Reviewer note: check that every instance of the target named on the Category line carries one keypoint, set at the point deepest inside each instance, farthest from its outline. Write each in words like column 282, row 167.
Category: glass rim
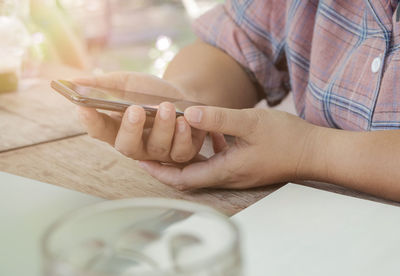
column 178, row 204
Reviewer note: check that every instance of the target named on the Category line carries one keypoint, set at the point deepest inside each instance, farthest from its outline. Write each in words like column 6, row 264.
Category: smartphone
column 115, row 100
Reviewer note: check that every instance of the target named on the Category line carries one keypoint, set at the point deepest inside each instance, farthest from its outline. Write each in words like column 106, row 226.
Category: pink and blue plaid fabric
column 340, row 59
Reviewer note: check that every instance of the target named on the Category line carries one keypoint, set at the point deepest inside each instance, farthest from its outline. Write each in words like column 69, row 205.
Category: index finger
column 235, row 122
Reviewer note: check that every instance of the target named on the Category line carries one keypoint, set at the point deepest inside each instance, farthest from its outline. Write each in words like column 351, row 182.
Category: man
column 339, row 58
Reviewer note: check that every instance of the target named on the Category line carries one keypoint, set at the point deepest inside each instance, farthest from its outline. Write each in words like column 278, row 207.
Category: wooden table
column 41, row 138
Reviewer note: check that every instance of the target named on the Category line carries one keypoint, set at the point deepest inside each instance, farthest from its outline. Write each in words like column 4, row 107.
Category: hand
column 168, row 140
column 270, row 147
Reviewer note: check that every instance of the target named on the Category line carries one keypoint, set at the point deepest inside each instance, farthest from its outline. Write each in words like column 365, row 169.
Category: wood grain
column 41, row 138
column 36, row 114
column 92, row 167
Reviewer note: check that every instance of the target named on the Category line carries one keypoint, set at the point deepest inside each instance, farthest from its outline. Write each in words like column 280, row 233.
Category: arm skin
column 208, row 75
column 364, row 161
column 295, row 150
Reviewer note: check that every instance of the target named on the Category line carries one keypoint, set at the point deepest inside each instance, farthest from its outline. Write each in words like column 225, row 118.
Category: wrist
column 312, row 164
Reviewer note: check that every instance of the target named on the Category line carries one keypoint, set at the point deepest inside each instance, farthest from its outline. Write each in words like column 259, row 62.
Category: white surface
column 27, row 208
column 295, row 231
column 303, row 231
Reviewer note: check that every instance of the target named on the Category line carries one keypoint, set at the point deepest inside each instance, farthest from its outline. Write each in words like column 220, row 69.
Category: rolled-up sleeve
column 253, row 33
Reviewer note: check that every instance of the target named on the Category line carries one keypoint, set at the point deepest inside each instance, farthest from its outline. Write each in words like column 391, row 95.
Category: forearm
column 206, row 74
column 365, row 161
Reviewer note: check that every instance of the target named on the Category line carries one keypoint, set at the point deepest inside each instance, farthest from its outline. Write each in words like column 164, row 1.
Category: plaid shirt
column 340, row 58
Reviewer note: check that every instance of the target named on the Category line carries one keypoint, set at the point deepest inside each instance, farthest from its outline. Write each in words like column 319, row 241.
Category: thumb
column 114, row 80
column 239, row 123
column 132, row 81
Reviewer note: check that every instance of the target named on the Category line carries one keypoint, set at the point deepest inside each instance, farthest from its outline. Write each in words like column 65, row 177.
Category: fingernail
column 194, row 114
column 165, row 112
column 133, row 116
column 181, row 126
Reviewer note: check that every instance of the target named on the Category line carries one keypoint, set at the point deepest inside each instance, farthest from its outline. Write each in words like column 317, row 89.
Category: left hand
column 163, row 138
column 270, row 147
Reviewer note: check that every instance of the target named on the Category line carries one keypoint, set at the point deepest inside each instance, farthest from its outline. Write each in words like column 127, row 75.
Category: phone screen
column 117, row 100
column 127, row 97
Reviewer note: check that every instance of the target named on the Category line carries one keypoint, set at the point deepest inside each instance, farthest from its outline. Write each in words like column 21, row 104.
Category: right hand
column 169, row 139
column 270, row 147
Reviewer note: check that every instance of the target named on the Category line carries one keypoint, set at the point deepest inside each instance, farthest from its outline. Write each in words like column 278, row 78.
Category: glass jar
column 142, row 237
column 14, row 40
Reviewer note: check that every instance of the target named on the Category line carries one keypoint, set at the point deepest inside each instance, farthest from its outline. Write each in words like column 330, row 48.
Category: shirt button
column 376, row 64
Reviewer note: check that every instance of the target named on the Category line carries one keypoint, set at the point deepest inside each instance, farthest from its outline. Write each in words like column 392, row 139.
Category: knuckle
column 129, row 129
column 182, row 155
column 226, row 175
column 127, row 152
column 181, row 158
column 219, row 120
column 182, row 187
column 233, row 175
column 134, row 131
column 177, row 183
column 156, row 150
column 254, row 119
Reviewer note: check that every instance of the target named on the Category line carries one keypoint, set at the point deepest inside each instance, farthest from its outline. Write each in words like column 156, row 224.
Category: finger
column 213, row 172
column 198, row 137
column 240, row 123
column 149, row 122
column 114, row 80
column 158, row 145
column 219, row 142
column 183, row 149
column 129, row 138
column 99, row 125
column 116, row 115
column 132, row 81
column 199, row 158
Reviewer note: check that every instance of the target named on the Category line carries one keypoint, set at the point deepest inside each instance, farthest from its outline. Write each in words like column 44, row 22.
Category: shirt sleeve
column 253, row 33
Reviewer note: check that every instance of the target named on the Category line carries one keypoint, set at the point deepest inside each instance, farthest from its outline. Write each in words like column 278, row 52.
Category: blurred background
column 93, row 35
